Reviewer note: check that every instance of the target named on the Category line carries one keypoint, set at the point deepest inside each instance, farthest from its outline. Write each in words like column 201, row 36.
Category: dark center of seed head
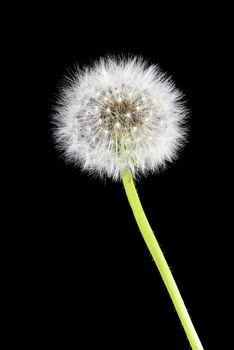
column 121, row 112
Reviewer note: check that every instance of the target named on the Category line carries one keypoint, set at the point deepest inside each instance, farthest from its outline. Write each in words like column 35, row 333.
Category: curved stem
column 159, row 260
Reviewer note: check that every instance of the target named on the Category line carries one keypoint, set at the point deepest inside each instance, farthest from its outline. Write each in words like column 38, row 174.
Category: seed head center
column 122, row 113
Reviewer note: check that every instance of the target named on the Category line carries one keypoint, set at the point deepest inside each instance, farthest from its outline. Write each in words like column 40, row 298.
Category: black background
column 92, row 280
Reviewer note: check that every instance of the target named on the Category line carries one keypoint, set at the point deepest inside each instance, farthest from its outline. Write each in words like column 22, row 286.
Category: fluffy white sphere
column 120, row 113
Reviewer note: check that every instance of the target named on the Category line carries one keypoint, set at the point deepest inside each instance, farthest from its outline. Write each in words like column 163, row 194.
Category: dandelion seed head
column 120, row 113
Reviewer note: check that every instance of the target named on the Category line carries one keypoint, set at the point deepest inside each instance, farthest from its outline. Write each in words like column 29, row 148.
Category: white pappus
column 118, row 113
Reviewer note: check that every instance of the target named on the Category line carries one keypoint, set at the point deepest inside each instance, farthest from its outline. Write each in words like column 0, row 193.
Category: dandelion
column 123, row 118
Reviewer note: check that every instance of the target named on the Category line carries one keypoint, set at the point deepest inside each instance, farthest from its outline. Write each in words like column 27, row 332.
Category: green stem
column 159, row 259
